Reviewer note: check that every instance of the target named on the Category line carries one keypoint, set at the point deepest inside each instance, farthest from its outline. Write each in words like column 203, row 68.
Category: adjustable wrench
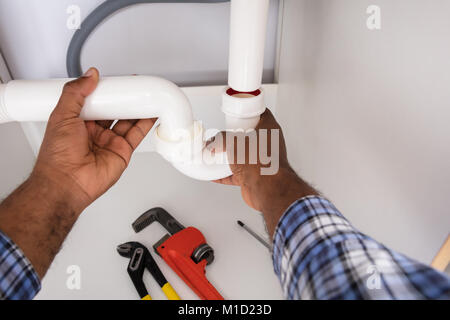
column 185, row 250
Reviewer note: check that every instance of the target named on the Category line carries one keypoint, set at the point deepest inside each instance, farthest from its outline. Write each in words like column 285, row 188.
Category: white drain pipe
column 248, row 29
column 137, row 97
column 179, row 139
column 243, row 101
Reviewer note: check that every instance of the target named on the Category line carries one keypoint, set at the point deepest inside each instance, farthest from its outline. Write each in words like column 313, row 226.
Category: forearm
column 38, row 215
column 318, row 254
column 274, row 194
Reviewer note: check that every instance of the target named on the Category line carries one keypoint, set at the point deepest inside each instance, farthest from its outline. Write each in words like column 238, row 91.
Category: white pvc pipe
column 135, row 97
column 242, row 110
column 178, row 138
column 247, row 43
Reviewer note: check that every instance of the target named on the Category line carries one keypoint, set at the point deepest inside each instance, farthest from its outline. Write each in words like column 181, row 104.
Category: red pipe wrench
column 185, row 250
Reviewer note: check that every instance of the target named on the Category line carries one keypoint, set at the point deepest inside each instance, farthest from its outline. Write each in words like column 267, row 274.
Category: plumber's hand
column 248, row 176
column 272, row 193
column 85, row 156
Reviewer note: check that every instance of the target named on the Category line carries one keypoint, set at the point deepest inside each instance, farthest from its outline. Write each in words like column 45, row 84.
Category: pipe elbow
column 115, row 98
column 190, row 156
column 175, row 110
column 142, row 97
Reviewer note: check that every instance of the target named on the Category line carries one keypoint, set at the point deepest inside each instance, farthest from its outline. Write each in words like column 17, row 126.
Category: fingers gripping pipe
column 178, row 138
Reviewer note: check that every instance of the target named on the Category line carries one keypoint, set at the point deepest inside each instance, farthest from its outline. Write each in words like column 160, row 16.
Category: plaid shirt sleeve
column 18, row 280
column 319, row 255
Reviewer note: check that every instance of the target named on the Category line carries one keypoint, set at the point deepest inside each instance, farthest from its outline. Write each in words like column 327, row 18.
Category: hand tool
column 140, row 258
column 185, row 250
column 255, row 235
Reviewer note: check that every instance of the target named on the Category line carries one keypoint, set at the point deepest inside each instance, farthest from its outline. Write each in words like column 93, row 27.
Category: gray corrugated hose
column 102, row 12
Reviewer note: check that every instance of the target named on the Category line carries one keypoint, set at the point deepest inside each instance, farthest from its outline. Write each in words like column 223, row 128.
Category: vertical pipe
column 247, row 43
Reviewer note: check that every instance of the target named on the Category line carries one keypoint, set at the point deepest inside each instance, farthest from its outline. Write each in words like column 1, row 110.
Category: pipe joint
column 189, row 155
column 185, row 149
column 242, row 109
column 243, row 104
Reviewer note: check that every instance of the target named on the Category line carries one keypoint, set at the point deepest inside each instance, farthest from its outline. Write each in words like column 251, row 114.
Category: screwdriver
column 255, row 235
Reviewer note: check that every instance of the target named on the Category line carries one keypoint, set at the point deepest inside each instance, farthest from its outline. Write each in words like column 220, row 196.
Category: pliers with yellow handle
column 141, row 259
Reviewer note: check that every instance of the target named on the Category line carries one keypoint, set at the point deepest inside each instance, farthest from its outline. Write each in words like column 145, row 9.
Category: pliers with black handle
column 141, row 259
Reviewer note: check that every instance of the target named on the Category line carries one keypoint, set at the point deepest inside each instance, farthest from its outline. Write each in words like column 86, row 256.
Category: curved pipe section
column 178, row 138
column 137, row 97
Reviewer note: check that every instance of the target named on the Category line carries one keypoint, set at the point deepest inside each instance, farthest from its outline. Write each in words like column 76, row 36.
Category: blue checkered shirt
column 18, row 280
column 318, row 254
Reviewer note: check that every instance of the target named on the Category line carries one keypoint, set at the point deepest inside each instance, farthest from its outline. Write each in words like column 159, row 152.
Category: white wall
column 366, row 114
column 16, row 159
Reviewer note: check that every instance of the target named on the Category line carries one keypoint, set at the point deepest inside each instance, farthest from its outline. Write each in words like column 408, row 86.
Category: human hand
column 83, row 159
column 271, row 193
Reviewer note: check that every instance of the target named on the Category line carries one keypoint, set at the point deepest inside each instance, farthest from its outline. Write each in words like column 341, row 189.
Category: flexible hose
column 103, row 11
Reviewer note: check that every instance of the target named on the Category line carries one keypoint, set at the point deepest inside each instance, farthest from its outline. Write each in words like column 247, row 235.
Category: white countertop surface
column 242, row 268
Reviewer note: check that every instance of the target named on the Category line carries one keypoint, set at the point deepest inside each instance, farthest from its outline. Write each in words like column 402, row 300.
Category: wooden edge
column 442, row 258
